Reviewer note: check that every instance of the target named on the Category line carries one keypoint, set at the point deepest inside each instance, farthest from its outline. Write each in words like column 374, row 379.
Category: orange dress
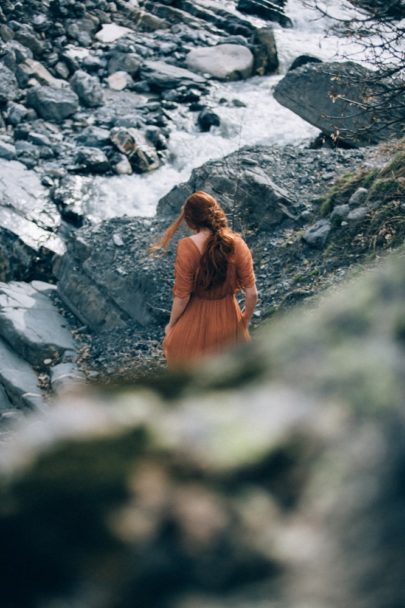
column 212, row 319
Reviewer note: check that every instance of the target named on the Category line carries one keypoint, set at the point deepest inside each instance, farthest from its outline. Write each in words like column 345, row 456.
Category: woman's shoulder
column 186, row 244
column 239, row 242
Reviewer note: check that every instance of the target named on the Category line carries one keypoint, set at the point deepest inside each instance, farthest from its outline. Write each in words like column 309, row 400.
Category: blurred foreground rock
column 273, row 477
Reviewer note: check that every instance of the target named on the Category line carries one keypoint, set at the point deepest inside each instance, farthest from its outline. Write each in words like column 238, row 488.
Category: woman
column 211, row 266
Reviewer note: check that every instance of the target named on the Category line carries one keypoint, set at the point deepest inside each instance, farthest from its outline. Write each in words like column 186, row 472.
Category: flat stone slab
column 163, row 75
column 31, row 324
column 110, row 32
column 19, row 380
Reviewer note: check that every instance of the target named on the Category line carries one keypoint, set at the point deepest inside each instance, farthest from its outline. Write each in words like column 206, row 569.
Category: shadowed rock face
column 273, row 478
column 335, row 97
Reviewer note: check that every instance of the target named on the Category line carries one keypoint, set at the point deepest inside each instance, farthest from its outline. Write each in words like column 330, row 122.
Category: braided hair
column 201, row 210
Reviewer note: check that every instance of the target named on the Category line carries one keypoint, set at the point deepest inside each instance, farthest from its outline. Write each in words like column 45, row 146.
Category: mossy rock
column 221, row 495
column 386, row 189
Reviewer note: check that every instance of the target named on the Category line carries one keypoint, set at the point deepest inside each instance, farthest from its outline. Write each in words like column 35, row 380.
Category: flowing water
column 261, row 119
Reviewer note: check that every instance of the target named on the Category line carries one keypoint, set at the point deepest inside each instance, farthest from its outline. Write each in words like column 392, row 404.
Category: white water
column 263, row 120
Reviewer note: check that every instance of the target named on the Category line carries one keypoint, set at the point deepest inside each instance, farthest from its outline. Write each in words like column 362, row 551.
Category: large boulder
column 161, row 75
column 108, row 278
column 53, row 104
column 244, row 184
column 272, row 478
column 337, row 98
column 29, row 222
column 224, row 62
column 31, row 324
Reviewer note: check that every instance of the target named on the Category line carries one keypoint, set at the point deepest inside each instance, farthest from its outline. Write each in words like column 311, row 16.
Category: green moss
column 344, row 187
column 396, row 167
column 388, row 188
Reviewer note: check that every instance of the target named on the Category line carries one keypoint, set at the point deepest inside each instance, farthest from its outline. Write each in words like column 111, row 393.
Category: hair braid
column 201, row 210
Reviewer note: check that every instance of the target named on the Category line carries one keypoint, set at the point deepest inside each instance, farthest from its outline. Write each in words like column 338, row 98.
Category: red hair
column 201, row 210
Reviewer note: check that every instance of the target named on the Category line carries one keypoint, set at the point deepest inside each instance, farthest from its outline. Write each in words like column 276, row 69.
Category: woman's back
column 239, row 272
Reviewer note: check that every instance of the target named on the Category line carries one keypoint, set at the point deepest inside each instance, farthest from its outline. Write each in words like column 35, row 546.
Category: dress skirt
column 205, row 328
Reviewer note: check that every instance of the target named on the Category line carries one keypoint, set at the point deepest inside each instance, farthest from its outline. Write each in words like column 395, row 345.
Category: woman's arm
column 178, row 307
column 251, row 297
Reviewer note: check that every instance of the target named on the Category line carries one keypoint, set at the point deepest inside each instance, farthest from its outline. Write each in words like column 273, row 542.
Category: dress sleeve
column 244, row 266
column 184, row 270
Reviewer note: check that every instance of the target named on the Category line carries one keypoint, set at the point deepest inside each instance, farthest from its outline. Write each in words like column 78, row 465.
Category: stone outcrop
column 335, row 97
column 268, row 475
column 224, row 62
column 109, row 280
column 32, row 324
column 245, row 186
column 28, row 224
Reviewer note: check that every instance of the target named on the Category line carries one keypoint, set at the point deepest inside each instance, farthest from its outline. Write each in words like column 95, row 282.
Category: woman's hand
column 168, row 328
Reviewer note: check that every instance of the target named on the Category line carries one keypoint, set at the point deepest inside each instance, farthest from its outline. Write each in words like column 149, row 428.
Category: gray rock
column 88, row 89
column 31, row 323
column 34, row 69
column 162, row 75
column 323, row 94
column 8, row 85
column 110, row 290
column 123, row 166
column 92, row 160
column 133, row 144
column 27, row 37
column 317, row 235
column 28, row 221
column 339, row 213
column 265, row 51
column 93, row 137
column 19, row 380
column 224, row 62
column 118, row 81
column 207, row 119
column 358, row 214
column 53, row 104
column 124, row 62
column 246, row 191
column 16, row 113
column 358, row 197
column 303, row 60
column 65, row 376
column 110, row 32
column 7, row 151
column 267, row 9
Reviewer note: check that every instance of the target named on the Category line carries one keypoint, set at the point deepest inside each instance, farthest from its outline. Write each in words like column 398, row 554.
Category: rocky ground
column 305, row 236
column 94, row 88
